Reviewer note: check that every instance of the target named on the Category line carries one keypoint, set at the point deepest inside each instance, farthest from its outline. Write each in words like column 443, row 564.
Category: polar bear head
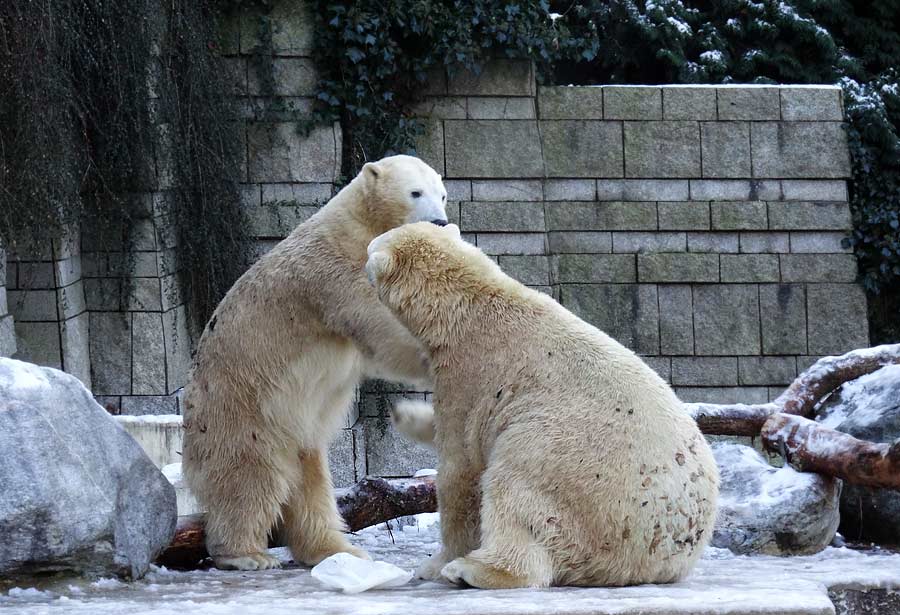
column 403, row 189
column 430, row 278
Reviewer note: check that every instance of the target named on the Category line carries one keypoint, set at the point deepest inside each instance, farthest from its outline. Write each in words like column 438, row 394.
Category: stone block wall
column 7, row 328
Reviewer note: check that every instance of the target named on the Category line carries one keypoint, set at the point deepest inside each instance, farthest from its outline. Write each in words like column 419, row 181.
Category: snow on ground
column 722, row 584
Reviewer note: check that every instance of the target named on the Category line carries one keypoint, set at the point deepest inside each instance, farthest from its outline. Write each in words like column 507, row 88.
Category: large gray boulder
column 773, row 511
column 76, row 491
column 868, row 408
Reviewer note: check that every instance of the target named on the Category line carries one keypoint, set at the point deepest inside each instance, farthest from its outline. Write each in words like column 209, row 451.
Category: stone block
column 661, row 365
column 767, row 370
column 139, row 405
column 148, row 354
column 110, row 348
column 290, row 77
column 74, row 335
column 9, row 272
column 143, row 295
column 804, row 150
column 342, row 459
column 570, row 190
column 502, row 216
column 442, row 108
column 602, row 216
column 574, row 148
column 70, row 300
column 749, row 267
column 644, row 242
column 293, row 28
column 627, row 312
column 511, row 243
column 837, row 318
column 705, row 371
column 500, row 108
column 678, row 267
column 497, row 78
column 277, row 221
column 738, row 215
column 388, row 453
column 642, row 190
column 748, row 103
column 809, row 215
column 570, row 103
column 458, row 189
column 631, row 102
column 722, row 243
column 302, row 194
column 38, row 342
column 734, row 190
column 814, row 189
column 726, row 149
column 171, row 293
column 103, row 294
column 7, row 336
column 593, row 268
column 783, row 322
column 178, row 348
column 836, row 268
column 819, row 243
column 689, row 103
column 676, row 319
column 765, row 243
column 723, row 395
column 32, row 305
column 811, row 103
column 527, row 269
column 726, row 319
column 279, row 153
column 575, row 242
column 35, row 276
column 662, row 149
column 507, row 190
column 492, row 148
column 430, row 145
column 683, row 215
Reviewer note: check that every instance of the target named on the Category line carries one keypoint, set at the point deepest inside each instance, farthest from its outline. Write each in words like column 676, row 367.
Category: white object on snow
column 353, row 575
column 425, row 472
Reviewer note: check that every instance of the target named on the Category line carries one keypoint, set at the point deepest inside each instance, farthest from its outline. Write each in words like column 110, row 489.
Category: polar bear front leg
column 459, row 502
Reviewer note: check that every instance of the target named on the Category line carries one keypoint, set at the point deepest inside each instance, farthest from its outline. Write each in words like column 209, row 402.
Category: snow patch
column 21, row 377
column 168, row 419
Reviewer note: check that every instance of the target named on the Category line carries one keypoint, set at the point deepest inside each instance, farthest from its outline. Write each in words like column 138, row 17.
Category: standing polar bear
column 564, row 459
column 278, row 364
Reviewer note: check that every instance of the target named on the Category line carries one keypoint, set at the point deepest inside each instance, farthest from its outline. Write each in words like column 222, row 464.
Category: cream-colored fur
column 564, row 459
column 415, row 419
column 278, row 363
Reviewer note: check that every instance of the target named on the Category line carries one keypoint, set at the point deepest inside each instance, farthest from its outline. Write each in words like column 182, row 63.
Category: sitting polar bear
column 564, row 459
column 278, row 363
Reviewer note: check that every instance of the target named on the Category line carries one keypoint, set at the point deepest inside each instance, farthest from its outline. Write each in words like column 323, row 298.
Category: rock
column 78, row 492
column 868, row 408
column 772, row 511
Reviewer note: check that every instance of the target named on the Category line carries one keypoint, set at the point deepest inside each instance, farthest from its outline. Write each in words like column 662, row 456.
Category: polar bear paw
column 430, row 569
column 466, row 571
column 253, row 561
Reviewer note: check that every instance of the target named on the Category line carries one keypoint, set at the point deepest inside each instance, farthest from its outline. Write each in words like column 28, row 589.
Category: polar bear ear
column 370, row 170
column 453, row 229
column 375, row 266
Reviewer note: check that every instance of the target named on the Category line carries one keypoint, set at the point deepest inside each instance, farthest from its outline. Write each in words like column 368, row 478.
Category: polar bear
column 564, row 459
column 278, row 363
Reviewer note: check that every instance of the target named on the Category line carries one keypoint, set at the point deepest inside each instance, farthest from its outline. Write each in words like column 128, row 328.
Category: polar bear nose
column 439, row 222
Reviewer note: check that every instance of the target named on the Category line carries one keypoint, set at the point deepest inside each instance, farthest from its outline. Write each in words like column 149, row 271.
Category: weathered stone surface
column 512, row 243
column 570, row 190
column 498, row 78
column 799, row 150
column 748, row 103
column 590, row 242
column 722, row 395
column 627, row 312
column 765, row 243
column 726, row 149
column 277, row 221
column 662, row 149
column 676, row 320
column 507, row 190
column 814, row 189
column 576, row 103
column 661, row 365
column 764, row 510
column 290, row 77
column 835, row 324
column 713, row 242
column 783, row 312
column 593, row 268
column 279, row 153
column 767, row 370
column 603, row 216
column 642, row 190
column 689, row 103
column 110, row 349
column 869, row 601
column 32, row 305
column 582, row 148
column 643, row 242
column 178, row 348
column 34, row 276
column 868, row 408
column 79, row 493
column 502, row 216
column 673, row 267
column 632, row 102
column 734, row 189
column 738, row 215
column 819, row 243
column 149, row 354
column 302, row 194
column 726, row 319
column 500, row 108
column 683, row 215
column 442, row 108
column 140, row 405
column 343, row 462
column 834, row 268
column 749, row 267
column 527, row 269
column 74, row 335
column 430, row 145
column 809, row 215
column 7, row 336
column 492, row 148
column 388, row 453
column 458, row 189
column 38, row 342
column 705, row 371
column 70, row 300
column 819, row 103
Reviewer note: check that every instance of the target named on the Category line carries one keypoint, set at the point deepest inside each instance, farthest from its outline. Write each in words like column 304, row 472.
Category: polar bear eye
column 416, row 194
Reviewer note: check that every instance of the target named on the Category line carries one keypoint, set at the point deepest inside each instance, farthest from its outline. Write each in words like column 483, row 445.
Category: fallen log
column 368, row 502
column 809, row 447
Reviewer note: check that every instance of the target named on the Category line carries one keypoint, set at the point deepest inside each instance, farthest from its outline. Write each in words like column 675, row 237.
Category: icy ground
column 721, row 584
